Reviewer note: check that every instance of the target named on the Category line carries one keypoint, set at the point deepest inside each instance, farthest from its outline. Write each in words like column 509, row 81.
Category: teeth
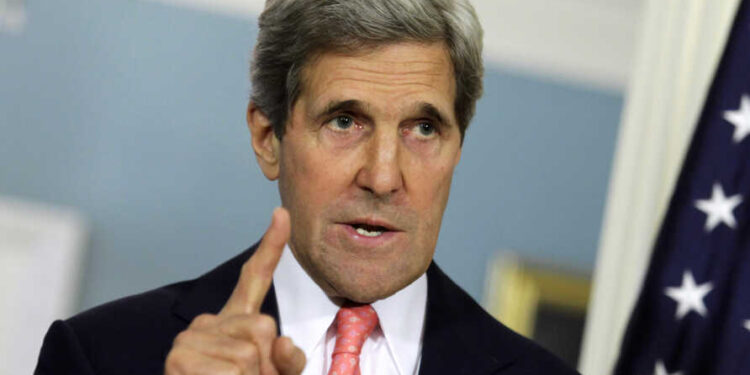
column 367, row 233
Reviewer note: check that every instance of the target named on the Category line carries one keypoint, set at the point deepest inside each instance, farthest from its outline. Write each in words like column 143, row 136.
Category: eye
column 426, row 129
column 423, row 131
column 341, row 122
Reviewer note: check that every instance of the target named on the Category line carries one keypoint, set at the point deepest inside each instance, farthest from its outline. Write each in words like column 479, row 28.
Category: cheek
column 431, row 180
column 312, row 178
column 430, row 191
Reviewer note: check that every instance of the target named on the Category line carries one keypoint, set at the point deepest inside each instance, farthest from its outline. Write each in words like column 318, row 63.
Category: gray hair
column 294, row 31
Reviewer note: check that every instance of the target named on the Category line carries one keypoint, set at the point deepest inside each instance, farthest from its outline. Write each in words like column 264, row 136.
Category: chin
column 360, row 275
column 365, row 295
column 367, row 286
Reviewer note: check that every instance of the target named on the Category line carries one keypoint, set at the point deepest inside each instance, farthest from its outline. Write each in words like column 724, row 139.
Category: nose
column 381, row 172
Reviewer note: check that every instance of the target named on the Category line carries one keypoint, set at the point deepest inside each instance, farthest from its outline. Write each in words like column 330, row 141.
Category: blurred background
column 124, row 149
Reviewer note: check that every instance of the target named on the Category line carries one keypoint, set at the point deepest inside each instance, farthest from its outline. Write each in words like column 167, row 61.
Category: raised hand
column 241, row 340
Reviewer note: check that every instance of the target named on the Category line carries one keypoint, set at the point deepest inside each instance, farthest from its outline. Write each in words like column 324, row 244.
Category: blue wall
column 133, row 112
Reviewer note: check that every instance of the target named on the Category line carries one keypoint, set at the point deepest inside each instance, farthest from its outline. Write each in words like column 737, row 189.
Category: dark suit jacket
column 133, row 335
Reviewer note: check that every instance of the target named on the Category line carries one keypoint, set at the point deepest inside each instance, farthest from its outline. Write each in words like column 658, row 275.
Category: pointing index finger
column 257, row 272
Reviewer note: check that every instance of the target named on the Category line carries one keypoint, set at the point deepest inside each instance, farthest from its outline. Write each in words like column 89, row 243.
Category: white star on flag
column 689, row 296
column 740, row 118
column 747, row 325
column 719, row 208
column 662, row 370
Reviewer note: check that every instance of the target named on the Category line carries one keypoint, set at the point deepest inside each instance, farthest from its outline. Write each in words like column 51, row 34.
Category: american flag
column 693, row 313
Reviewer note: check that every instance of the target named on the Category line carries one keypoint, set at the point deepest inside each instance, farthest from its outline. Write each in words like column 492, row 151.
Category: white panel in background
column 247, row 9
column 41, row 250
column 584, row 42
column 12, row 16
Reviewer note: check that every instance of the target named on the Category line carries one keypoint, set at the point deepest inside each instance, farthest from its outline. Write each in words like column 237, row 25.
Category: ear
column 265, row 144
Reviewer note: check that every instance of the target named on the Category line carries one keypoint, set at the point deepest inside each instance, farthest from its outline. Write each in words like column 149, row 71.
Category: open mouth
column 369, row 230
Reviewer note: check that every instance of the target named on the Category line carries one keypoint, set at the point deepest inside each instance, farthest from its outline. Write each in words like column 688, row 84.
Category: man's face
column 365, row 166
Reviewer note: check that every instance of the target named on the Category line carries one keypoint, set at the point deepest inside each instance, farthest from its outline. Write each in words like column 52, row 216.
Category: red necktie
column 353, row 326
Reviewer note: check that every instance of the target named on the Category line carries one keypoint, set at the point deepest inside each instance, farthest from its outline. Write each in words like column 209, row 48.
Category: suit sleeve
column 62, row 353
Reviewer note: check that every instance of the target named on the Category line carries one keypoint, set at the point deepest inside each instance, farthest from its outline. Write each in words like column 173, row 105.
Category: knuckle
column 265, row 325
column 182, row 338
column 249, row 355
column 175, row 362
column 255, row 269
column 169, row 363
column 203, row 320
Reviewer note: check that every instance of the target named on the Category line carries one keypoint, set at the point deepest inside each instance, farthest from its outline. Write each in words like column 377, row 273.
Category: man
column 359, row 109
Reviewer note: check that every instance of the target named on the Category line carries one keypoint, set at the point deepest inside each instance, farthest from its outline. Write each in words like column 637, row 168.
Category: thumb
column 288, row 359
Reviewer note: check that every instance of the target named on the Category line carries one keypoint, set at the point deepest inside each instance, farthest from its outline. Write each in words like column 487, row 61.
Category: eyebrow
column 422, row 109
column 337, row 106
column 429, row 110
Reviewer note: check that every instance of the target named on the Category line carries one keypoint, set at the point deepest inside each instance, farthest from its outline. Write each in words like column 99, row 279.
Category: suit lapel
column 454, row 332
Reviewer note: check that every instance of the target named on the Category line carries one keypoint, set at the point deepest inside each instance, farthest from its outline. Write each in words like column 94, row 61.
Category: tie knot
column 353, row 326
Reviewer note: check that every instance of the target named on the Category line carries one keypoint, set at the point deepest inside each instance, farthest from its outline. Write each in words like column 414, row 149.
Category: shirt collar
column 306, row 313
column 401, row 318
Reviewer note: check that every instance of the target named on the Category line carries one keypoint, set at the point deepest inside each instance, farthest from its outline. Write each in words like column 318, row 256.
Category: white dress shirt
column 306, row 315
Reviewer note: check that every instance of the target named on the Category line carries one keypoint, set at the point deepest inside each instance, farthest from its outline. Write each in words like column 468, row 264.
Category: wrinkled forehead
column 403, row 76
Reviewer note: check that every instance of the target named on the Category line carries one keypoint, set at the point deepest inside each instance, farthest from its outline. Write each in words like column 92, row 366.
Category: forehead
column 392, row 75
